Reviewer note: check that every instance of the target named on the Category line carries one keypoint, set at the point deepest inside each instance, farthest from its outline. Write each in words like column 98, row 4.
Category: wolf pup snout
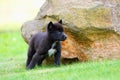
column 64, row 37
column 45, row 44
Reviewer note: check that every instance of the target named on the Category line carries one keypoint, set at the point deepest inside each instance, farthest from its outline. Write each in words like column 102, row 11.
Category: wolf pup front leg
column 57, row 55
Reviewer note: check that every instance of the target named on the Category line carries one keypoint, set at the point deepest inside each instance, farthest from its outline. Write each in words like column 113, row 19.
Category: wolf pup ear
column 50, row 25
column 60, row 21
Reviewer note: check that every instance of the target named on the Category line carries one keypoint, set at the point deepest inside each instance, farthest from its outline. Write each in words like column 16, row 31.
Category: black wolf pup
column 42, row 43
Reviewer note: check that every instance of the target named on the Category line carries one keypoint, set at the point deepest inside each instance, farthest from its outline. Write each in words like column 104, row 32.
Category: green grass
column 13, row 51
column 11, row 26
column 11, row 43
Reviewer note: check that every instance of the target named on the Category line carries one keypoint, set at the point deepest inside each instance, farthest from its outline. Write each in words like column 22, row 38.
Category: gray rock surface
column 92, row 27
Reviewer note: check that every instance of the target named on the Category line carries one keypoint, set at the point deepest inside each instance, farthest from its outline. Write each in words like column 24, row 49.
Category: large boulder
column 88, row 24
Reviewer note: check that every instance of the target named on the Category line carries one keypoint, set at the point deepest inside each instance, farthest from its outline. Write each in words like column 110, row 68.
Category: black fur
column 42, row 42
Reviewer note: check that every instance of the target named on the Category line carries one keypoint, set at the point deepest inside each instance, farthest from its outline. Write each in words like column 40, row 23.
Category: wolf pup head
column 56, row 31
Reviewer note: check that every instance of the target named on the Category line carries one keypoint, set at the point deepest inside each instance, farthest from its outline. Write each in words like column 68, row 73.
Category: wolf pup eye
column 58, row 32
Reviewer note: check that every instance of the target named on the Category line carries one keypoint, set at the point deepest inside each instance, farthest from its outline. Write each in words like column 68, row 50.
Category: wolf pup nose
column 45, row 44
